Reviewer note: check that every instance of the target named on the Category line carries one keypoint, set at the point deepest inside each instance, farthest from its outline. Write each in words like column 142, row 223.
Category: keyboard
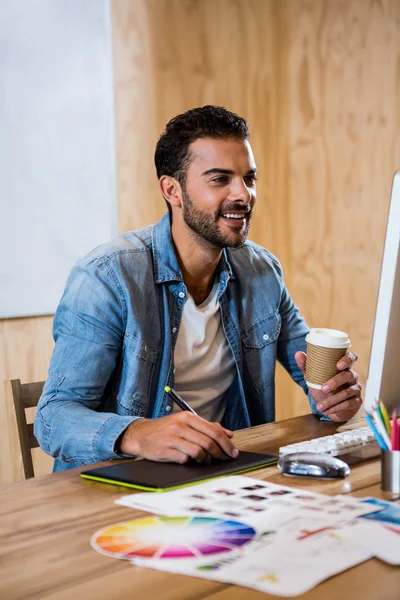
column 337, row 444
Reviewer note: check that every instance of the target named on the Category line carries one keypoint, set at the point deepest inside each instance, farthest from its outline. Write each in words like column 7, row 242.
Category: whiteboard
column 57, row 165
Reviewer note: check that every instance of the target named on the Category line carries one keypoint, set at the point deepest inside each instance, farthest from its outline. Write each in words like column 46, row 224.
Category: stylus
column 179, row 401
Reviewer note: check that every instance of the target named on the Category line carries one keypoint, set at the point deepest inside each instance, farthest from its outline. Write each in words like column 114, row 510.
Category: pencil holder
column 390, row 471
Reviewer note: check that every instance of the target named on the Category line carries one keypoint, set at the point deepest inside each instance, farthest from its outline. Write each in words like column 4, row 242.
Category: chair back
column 18, row 397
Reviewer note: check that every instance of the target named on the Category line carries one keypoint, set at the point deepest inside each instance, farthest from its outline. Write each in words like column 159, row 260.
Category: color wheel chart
column 171, row 537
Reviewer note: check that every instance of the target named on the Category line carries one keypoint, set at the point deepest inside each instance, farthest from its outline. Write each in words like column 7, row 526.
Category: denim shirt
column 116, row 327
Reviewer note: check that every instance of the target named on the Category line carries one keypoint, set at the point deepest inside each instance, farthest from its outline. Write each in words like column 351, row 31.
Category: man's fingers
column 178, row 438
column 348, row 392
column 347, row 361
column 345, row 377
column 341, row 417
column 344, row 415
column 215, row 432
column 352, row 404
column 188, row 448
column 301, row 359
column 227, row 432
column 171, row 454
column 205, row 443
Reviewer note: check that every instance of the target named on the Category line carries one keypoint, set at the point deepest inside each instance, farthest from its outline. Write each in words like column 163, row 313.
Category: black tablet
column 157, row 476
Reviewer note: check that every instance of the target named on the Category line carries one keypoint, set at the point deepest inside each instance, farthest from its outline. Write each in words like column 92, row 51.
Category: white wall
column 57, row 180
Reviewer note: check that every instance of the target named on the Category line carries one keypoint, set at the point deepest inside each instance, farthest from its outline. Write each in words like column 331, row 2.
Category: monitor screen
column 384, row 366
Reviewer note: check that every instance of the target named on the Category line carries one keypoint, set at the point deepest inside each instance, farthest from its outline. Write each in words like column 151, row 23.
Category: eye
column 250, row 179
column 221, row 179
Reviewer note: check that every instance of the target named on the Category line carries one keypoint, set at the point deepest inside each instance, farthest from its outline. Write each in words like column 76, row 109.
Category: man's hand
column 177, row 438
column 340, row 397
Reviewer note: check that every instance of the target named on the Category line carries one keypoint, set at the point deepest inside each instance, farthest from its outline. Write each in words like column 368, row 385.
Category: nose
column 240, row 191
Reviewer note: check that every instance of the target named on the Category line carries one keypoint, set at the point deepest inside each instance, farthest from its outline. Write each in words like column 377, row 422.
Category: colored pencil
column 385, row 416
column 376, row 433
column 380, row 425
column 395, row 431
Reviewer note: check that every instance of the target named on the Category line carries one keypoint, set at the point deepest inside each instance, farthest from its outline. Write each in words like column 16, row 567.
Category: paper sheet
column 242, row 497
column 382, row 539
column 298, row 538
column 287, row 561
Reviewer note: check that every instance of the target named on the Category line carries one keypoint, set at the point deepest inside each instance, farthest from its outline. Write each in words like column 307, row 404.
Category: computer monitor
column 384, row 365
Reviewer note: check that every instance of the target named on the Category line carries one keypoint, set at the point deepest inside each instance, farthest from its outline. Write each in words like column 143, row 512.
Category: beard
column 206, row 227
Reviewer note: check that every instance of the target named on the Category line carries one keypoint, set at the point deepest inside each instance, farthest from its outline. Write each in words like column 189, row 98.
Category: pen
column 179, row 401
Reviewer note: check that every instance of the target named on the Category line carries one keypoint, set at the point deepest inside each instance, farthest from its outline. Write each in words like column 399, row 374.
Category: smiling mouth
column 237, row 214
column 236, row 218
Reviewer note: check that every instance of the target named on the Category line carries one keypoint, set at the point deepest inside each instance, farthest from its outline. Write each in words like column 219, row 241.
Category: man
column 186, row 303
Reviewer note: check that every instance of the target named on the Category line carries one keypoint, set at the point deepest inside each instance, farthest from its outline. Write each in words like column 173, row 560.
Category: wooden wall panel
column 344, row 82
column 25, row 350
column 319, row 82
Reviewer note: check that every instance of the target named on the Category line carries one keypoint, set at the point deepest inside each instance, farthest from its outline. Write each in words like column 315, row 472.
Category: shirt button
column 181, row 294
column 174, row 330
column 168, row 408
column 265, row 336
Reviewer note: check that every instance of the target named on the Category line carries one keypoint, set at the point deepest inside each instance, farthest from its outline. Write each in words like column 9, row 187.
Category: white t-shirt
column 204, row 363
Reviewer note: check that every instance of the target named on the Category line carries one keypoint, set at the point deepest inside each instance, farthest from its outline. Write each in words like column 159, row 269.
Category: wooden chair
column 18, row 397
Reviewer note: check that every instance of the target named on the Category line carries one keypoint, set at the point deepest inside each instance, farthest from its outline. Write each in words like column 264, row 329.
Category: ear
column 171, row 190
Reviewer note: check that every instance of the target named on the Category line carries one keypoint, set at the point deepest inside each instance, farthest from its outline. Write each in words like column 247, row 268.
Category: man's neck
column 198, row 263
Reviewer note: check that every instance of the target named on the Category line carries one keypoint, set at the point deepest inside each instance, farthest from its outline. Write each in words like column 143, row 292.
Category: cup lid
column 328, row 338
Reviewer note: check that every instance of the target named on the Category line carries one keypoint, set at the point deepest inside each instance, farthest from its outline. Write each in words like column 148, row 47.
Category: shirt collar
column 166, row 266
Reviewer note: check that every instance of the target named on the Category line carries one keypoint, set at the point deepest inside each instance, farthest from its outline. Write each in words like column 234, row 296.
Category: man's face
column 220, row 191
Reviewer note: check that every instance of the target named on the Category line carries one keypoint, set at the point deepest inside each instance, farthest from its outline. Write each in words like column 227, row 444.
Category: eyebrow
column 226, row 172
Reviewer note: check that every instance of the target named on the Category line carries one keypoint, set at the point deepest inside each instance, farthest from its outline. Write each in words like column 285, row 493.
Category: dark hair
column 172, row 155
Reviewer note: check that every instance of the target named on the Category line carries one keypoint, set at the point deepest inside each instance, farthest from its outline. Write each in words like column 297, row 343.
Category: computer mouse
column 310, row 464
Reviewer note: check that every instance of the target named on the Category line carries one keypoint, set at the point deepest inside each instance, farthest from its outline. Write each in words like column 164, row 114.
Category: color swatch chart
column 172, row 537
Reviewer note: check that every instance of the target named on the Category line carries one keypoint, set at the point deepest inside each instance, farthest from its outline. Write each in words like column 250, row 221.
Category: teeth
column 232, row 216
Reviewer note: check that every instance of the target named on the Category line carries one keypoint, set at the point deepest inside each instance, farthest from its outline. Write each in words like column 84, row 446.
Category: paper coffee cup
column 325, row 347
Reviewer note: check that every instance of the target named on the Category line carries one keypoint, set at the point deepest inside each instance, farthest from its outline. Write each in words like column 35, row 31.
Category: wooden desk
column 46, row 524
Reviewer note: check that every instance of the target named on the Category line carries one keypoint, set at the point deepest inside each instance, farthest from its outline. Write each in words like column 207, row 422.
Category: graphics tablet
column 157, row 476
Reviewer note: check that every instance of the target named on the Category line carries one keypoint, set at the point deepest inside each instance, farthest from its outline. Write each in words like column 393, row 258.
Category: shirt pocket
column 137, row 371
column 259, row 344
